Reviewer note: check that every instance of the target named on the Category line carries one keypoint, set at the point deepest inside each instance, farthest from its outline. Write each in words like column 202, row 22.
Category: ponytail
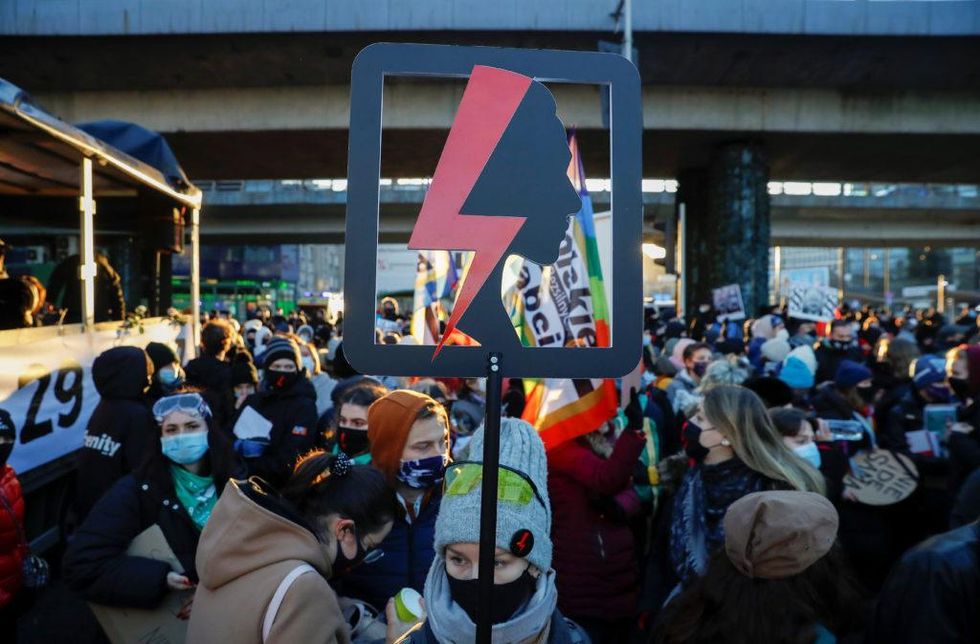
column 324, row 484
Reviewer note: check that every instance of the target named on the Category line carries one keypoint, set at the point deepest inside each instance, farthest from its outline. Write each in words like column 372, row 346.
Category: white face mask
column 308, row 364
column 809, row 453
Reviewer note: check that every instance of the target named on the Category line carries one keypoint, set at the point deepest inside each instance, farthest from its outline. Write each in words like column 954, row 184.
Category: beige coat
column 245, row 551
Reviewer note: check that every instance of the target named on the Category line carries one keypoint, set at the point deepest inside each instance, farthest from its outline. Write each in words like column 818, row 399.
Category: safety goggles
column 513, row 486
column 190, row 403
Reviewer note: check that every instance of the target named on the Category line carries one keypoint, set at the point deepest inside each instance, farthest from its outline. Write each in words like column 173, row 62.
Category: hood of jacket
column 250, row 528
column 121, row 372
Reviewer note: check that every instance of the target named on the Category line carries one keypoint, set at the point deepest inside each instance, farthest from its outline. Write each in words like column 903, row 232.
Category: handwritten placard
column 880, row 477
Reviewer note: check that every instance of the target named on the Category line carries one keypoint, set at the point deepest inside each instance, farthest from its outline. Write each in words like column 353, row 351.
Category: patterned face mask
column 423, row 473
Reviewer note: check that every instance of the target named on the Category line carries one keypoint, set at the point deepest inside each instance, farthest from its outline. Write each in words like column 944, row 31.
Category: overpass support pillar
column 726, row 237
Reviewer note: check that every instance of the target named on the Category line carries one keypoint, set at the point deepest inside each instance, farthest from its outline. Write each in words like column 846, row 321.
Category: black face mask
column 505, row 601
column 694, row 448
column 342, row 564
column 353, row 442
column 841, row 345
column 960, row 387
column 280, row 380
column 867, row 394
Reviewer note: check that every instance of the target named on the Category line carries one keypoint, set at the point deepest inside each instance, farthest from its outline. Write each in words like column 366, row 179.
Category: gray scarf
column 451, row 625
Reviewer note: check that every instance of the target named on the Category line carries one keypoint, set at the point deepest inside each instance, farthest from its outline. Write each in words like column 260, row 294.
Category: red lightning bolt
column 489, row 101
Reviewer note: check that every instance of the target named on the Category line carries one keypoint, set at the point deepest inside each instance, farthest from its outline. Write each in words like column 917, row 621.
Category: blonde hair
column 740, row 415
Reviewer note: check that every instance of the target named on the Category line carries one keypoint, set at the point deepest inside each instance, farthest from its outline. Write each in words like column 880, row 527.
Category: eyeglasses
column 190, row 403
column 513, row 486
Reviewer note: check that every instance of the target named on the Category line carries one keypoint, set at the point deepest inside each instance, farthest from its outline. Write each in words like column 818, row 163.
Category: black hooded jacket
column 120, row 427
column 292, row 413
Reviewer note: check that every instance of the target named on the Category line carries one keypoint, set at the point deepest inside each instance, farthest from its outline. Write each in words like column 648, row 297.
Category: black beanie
column 280, row 347
column 773, row 391
column 161, row 355
column 243, row 371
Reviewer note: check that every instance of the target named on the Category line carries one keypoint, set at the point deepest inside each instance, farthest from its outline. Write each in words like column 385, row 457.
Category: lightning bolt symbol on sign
column 489, row 102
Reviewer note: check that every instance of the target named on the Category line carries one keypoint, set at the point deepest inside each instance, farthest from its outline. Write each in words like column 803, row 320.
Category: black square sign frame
column 370, row 67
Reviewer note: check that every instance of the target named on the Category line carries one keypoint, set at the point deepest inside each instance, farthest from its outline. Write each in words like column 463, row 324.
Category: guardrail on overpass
column 803, row 213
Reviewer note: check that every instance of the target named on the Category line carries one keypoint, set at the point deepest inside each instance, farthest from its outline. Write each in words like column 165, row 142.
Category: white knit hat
column 521, row 449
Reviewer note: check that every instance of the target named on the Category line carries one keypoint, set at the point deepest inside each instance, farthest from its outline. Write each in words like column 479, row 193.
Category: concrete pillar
column 727, row 208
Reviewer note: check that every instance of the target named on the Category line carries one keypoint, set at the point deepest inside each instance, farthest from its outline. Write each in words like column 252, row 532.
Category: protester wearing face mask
column 683, row 388
column 524, row 601
column 928, row 387
column 839, row 345
column 849, row 396
column 810, row 439
column 350, row 434
column 470, row 406
column 168, row 375
column 736, row 451
column 176, row 488
column 286, row 399
column 801, row 332
column 11, row 528
column 892, row 370
column 120, row 428
column 265, row 557
column 409, row 435
column 963, row 376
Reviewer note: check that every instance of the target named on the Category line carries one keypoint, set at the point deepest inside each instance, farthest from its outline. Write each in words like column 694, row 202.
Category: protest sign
column 728, row 302
column 816, row 303
column 881, row 477
column 814, row 276
column 160, row 625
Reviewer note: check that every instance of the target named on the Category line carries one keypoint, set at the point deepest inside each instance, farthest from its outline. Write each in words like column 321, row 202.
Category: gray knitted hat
column 521, row 449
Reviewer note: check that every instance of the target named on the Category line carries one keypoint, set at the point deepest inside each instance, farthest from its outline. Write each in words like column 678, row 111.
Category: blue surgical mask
column 185, row 449
column 423, row 473
column 809, row 453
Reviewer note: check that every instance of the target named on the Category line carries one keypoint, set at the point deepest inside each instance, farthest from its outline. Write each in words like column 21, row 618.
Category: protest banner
column 728, row 302
column 46, row 383
column 816, row 303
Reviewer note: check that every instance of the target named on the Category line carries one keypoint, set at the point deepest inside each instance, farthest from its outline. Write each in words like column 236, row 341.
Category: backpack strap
column 279, row 595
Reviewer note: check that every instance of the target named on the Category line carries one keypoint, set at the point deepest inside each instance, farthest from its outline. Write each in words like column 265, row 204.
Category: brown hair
column 740, row 415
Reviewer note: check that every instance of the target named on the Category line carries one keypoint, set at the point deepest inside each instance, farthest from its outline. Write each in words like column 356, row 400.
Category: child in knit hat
column 524, row 602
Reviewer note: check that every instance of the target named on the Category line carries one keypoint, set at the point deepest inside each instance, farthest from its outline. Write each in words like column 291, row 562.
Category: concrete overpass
column 858, row 90
column 879, row 216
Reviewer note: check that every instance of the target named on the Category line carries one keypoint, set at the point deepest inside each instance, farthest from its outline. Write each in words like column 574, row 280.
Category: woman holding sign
column 174, row 489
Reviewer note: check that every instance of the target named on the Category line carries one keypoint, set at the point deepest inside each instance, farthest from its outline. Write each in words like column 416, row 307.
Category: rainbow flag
column 569, row 308
column 436, row 280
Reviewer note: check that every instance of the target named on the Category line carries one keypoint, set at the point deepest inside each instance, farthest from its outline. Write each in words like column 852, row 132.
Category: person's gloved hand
column 634, row 412
column 251, row 447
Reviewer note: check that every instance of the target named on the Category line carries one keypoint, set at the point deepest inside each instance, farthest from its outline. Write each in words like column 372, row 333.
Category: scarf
column 697, row 530
column 196, row 493
column 451, row 625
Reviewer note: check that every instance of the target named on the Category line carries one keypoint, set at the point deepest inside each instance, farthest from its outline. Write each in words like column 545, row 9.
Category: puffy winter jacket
column 293, row 416
column 96, row 564
column 12, row 549
column 406, row 562
column 593, row 553
column 119, row 429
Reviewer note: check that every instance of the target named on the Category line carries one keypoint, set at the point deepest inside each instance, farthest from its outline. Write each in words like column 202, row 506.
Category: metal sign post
column 488, row 500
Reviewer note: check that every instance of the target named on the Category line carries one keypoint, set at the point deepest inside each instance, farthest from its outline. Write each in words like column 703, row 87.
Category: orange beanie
column 390, row 419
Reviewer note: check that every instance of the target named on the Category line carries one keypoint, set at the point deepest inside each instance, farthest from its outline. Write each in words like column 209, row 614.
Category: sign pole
column 488, row 500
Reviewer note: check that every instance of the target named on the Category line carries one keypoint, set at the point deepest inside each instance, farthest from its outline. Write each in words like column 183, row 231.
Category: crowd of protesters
column 306, row 502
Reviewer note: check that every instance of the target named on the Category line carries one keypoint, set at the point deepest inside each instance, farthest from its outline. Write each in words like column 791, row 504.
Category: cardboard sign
column 816, row 303
column 500, row 188
column 728, row 302
column 878, row 478
column 156, row 626
column 790, row 277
